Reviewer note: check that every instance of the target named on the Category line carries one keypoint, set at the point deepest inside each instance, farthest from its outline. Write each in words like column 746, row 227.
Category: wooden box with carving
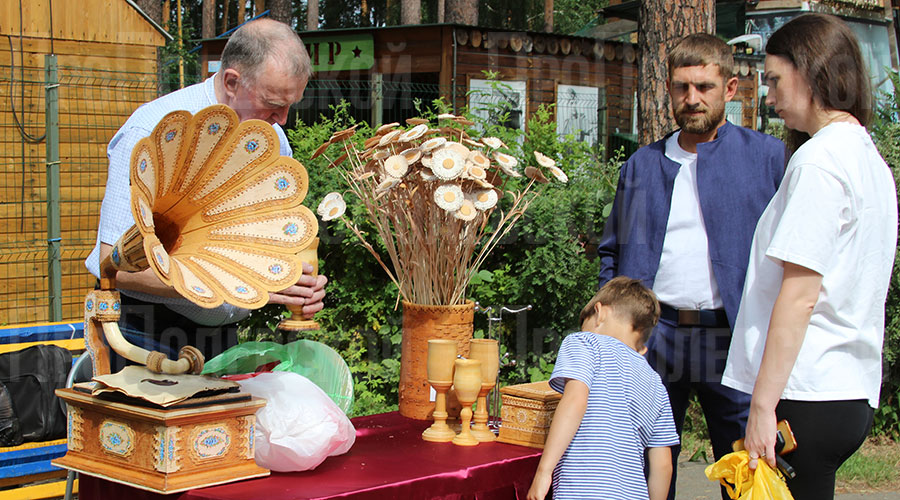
column 526, row 412
column 200, row 444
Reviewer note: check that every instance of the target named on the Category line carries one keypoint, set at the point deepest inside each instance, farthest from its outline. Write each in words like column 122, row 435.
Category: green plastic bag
column 316, row 361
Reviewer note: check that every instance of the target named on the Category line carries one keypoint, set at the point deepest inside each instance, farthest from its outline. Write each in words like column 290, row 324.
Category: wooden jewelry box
column 526, row 413
column 162, row 450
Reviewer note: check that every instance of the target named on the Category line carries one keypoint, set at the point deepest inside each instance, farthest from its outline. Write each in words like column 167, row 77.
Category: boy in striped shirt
column 613, row 407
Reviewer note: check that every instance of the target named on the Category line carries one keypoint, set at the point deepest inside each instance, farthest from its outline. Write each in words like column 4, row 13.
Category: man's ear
column 731, row 86
column 231, row 78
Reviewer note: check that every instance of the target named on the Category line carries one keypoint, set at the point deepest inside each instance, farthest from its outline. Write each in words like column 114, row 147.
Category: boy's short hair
column 701, row 49
column 631, row 300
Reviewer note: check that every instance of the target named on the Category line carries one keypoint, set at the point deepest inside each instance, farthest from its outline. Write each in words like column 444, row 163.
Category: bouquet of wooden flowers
column 430, row 192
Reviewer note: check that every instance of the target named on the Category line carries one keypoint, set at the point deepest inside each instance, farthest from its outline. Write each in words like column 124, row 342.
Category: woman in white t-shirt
column 808, row 337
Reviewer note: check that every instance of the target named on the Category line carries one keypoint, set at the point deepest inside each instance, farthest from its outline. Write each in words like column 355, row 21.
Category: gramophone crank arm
column 190, row 359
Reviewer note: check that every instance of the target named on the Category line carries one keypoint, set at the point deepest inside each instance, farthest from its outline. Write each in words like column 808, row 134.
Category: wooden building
column 106, row 53
column 591, row 83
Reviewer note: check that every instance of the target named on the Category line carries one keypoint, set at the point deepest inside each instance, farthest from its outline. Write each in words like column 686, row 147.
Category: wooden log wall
column 107, row 69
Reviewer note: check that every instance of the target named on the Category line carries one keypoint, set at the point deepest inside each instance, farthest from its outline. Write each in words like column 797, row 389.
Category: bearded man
column 682, row 222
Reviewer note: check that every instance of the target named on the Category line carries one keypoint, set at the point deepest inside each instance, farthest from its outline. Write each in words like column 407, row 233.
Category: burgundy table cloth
column 388, row 460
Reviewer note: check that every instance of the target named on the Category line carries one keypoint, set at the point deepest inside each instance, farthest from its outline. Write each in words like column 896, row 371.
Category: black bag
column 31, row 375
column 10, row 435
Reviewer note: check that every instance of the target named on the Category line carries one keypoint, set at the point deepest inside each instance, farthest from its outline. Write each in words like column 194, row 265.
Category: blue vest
column 737, row 175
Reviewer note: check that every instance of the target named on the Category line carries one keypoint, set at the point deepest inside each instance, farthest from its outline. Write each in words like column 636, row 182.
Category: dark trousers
column 155, row 327
column 827, row 433
column 693, row 358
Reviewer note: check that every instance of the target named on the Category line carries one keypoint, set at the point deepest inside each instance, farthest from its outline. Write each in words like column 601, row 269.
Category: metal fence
column 56, row 123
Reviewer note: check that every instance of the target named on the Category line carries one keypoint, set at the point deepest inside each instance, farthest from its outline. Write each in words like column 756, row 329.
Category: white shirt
column 115, row 211
column 685, row 276
column 836, row 214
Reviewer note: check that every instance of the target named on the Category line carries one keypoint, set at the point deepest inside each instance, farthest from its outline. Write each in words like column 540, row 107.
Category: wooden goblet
column 441, row 356
column 467, row 383
column 296, row 322
column 488, row 352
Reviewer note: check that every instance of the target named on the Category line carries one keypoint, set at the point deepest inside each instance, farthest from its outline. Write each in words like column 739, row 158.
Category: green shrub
column 886, row 134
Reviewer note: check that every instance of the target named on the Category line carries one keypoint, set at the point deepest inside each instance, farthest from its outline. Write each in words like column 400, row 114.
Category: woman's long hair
column 825, row 51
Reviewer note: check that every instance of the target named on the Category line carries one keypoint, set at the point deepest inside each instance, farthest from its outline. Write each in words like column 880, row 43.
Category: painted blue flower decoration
column 143, row 166
column 116, row 306
column 251, row 146
column 103, row 306
column 90, row 305
column 115, row 439
column 170, row 135
column 275, row 269
column 198, row 289
column 282, row 183
column 241, row 289
column 290, row 229
column 211, row 441
column 115, row 255
column 159, row 259
column 213, row 129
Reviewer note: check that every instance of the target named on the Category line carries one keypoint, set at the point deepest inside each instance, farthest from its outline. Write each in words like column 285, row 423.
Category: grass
column 875, row 466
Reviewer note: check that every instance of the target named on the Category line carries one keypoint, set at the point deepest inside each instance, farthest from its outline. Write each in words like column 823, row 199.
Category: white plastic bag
column 299, row 426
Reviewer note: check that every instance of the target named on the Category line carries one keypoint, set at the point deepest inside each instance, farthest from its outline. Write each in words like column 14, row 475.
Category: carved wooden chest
column 526, row 412
column 162, row 450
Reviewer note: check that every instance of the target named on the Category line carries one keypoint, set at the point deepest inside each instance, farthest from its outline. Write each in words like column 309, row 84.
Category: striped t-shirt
column 628, row 411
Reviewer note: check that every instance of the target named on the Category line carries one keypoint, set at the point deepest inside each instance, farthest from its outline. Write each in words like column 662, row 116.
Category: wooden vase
column 420, row 323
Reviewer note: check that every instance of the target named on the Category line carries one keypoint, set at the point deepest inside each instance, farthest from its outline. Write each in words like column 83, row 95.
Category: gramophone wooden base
column 164, row 451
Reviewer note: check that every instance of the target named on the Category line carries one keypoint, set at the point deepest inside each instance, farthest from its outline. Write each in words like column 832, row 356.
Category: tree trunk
column 153, row 8
column 225, row 10
column 280, row 10
column 662, row 23
column 462, row 12
column 312, row 15
column 548, row 16
column 410, row 12
column 208, row 21
column 242, row 11
column 440, row 11
column 364, row 11
column 259, row 6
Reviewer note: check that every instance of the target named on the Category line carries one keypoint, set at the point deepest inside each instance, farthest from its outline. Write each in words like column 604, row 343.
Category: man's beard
column 702, row 124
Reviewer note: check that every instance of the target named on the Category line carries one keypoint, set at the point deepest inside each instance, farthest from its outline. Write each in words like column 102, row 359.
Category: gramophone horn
column 218, row 217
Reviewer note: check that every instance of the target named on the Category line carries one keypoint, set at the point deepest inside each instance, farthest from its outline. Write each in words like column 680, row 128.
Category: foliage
column 886, row 134
column 170, row 55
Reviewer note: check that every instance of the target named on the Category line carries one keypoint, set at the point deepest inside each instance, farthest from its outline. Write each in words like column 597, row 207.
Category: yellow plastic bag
column 733, row 471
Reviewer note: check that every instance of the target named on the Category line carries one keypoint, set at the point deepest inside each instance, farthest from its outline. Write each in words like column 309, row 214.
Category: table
column 388, row 460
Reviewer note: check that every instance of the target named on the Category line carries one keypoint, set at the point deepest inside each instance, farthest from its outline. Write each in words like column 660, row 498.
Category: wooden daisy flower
column 381, row 154
column 386, row 184
column 543, row 160
column 432, row 143
column 447, row 164
column 412, row 155
column 466, row 211
column 558, row 173
column 332, row 207
column 475, row 172
column 427, row 175
column 459, row 148
column 446, row 116
column 396, row 166
column 493, row 142
column 507, row 163
column 536, row 174
column 387, row 127
column 478, row 159
column 416, row 121
column 414, row 133
column 389, row 137
column 449, row 197
column 485, row 199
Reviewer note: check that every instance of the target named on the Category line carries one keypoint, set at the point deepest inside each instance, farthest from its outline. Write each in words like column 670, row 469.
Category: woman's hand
column 760, row 438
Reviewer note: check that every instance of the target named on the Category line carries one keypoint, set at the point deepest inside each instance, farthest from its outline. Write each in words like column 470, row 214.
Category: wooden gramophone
column 219, row 218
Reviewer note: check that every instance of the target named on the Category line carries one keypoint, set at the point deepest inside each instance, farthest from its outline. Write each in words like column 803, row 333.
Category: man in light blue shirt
column 264, row 70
